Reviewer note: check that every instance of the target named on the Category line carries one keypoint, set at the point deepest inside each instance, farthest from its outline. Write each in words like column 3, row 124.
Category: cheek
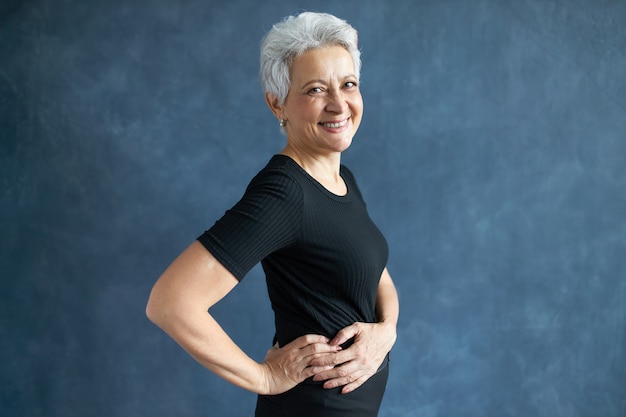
column 308, row 110
column 358, row 108
column 357, row 111
column 357, row 104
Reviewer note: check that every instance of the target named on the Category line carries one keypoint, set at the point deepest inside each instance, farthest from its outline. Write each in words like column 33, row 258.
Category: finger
column 311, row 371
column 354, row 385
column 320, row 360
column 338, row 358
column 320, row 350
column 328, row 374
column 344, row 335
column 344, row 373
column 308, row 339
column 350, row 379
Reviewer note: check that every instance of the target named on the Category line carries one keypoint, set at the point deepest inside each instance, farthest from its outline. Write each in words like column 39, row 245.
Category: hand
column 286, row 367
column 372, row 342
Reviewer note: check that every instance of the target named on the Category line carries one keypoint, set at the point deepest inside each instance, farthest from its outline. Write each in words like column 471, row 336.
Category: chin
column 344, row 144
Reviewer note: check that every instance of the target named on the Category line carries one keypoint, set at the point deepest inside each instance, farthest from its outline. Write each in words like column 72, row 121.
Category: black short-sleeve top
column 321, row 253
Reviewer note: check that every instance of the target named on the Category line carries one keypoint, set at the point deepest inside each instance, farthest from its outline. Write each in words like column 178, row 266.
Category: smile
column 335, row 125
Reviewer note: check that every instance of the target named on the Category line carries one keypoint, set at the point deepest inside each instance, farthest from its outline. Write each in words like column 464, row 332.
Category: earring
column 282, row 123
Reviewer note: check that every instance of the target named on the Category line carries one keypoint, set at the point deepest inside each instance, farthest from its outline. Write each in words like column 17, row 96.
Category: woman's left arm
column 372, row 342
column 387, row 304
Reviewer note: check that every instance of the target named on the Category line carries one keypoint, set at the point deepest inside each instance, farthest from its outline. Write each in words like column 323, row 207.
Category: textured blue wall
column 492, row 155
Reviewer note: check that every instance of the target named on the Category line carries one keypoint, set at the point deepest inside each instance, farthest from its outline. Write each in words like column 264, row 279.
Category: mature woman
column 304, row 219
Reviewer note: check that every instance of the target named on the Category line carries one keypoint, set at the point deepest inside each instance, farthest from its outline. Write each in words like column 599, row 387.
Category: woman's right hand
column 287, row 366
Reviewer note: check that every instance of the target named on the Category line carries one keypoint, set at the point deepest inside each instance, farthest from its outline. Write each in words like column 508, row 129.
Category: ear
column 274, row 104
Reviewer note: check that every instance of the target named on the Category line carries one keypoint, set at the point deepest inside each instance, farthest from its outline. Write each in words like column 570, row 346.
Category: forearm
column 387, row 304
column 203, row 338
column 179, row 303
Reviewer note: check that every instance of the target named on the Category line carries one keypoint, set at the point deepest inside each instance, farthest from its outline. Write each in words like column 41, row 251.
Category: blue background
column 492, row 154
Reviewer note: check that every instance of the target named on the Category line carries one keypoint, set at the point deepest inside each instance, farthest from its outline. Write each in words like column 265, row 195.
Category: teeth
column 335, row 125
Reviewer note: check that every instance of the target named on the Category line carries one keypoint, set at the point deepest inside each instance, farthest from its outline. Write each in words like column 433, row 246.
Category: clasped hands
column 325, row 360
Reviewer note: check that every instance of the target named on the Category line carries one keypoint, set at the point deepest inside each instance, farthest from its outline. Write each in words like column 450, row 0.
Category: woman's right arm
column 179, row 304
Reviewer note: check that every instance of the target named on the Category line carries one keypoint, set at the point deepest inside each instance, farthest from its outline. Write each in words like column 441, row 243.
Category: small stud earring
column 282, row 123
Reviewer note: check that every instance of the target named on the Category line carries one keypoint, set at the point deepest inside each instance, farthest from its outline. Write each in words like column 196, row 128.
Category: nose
column 337, row 102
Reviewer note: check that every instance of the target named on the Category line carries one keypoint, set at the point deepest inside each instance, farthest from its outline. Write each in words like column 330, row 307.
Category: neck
column 324, row 165
column 324, row 168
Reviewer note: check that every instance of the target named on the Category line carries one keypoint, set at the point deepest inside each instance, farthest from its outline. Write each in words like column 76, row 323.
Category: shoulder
column 276, row 179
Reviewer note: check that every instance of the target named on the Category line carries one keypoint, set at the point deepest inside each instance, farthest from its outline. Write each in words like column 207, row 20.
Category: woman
column 304, row 219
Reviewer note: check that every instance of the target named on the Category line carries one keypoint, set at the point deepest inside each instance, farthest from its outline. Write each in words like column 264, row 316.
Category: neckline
column 346, row 197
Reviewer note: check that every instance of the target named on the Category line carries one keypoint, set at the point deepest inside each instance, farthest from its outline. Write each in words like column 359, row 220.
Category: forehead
column 326, row 62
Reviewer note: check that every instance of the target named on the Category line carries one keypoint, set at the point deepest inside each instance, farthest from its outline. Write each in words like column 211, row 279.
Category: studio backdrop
column 492, row 155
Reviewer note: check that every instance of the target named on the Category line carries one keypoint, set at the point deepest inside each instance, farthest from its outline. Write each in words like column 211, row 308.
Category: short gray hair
column 296, row 35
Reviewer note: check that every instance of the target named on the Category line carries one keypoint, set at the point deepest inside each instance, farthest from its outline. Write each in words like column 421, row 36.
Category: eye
column 350, row 84
column 315, row 90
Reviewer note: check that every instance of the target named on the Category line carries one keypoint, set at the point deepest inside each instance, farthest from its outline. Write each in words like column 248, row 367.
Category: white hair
column 296, row 35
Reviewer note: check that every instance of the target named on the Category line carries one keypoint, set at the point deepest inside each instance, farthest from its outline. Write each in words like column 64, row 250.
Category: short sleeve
column 266, row 219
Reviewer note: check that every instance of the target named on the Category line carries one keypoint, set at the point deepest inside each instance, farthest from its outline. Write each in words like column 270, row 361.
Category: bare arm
column 179, row 304
column 387, row 304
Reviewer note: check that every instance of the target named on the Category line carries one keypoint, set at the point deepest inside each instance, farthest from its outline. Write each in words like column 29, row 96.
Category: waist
column 290, row 328
column 311, row 399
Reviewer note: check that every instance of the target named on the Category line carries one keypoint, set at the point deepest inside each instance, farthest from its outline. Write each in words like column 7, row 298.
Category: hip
column 310, row 399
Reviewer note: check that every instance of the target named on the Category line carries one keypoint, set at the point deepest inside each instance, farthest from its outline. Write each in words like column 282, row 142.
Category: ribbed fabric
column 321, row 253
column 323, row 258
column 310, row 399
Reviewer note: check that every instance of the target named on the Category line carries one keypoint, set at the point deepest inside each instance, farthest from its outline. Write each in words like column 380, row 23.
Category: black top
column 321, row 253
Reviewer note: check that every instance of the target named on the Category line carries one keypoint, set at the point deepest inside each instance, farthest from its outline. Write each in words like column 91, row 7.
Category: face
column 323, row 108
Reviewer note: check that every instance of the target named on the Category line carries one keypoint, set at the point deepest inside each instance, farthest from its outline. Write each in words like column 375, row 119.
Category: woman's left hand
column 357, row 363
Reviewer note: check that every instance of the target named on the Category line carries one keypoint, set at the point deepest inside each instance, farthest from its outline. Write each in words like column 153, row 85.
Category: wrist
column 388, row 322
column 388, row 327
column 262, row 385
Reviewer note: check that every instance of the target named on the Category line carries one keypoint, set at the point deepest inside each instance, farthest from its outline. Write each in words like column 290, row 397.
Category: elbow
column 162, row 309
column 154, row 309
column 150, row 311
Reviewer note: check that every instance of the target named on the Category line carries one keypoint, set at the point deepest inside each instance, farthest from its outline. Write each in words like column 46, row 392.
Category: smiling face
column 323, row 108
